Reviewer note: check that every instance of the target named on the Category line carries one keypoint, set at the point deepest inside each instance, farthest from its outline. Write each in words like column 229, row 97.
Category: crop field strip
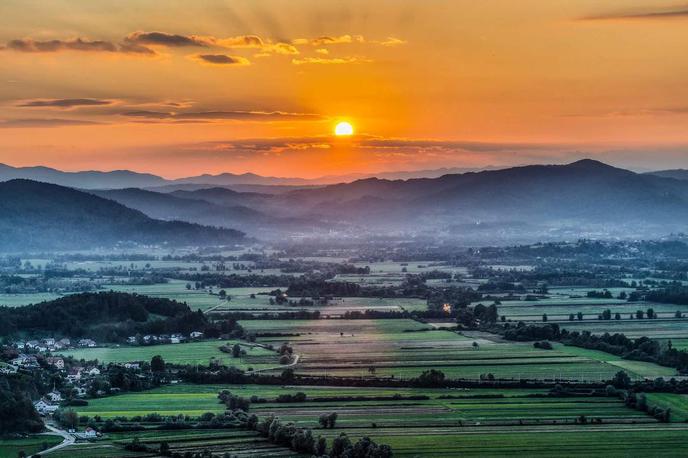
column 183, row 353
column 505, row 426
column 353, row 347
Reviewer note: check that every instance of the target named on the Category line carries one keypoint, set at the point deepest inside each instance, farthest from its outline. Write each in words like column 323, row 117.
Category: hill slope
column 37, row 215
column 586, row 192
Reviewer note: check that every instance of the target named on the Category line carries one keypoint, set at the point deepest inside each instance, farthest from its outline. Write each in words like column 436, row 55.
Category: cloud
column 77, row 44
column 64, row 103
column 222, row 59
column 665, row 13
column 634, row 112
column 225, row 115
column 329, row 60
column 29, row 45
column 49, row 122
column 166, row 39
column 391, row 41
column 330, row 40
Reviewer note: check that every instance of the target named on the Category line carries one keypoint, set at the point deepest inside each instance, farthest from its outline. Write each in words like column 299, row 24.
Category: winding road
column 68, row 440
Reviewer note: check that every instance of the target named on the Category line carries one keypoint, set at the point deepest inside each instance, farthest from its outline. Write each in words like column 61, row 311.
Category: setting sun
column 344, row 128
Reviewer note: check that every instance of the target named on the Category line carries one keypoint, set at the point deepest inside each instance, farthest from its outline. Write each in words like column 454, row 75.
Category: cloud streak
column 222, row 59
column 64, row 103
column 45, row 122
column 330, row 60
column 225, row 115
column 657, row 14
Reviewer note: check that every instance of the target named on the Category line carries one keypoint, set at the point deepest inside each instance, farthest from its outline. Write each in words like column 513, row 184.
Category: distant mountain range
column 41, row 216
column 537, row 202
column 583, row 196
column 122, row 179
column 679, row 174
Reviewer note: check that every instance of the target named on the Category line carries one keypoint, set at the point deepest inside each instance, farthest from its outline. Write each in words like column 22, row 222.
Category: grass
column 194, row 400
column 405, row 348
column 10, row 448
column 17, row 300
column 184, row 353
column 583, row 441
column 678, row 403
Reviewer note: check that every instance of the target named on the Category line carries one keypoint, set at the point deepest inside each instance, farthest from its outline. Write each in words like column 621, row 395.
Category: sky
column 180, row 88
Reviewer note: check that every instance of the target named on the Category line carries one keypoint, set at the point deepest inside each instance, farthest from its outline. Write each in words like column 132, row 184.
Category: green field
column 10, row 448
column 405, row 348
column 628, row 441
column 335, row 307
column 183, row 353
column 519, row 423
column 659, row 329
column 193, row 400
column 241, row 444
column 678, row 403
column 17, row 300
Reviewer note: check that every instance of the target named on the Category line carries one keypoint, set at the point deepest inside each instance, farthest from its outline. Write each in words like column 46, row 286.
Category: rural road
column 68, row 440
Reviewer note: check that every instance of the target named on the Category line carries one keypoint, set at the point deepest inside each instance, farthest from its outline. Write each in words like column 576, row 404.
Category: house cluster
column 25, row 361
column 49, row 403
column 151, row 339
column 50, row 344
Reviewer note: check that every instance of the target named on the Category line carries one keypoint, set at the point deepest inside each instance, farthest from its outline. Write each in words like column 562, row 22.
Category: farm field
column 17, row 300
column 198, row 299
column 242, row 444
column 194, row 400
column 335, row 307
column 678, row 403
column 535, row 310
column 472, row 423
column 658, row 328
column 183, row 353
column 405, row 348
column 569, row 441
column 10, row 448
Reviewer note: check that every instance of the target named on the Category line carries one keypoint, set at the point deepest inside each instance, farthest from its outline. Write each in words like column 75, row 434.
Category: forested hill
column 105, row 316
column 36, row 215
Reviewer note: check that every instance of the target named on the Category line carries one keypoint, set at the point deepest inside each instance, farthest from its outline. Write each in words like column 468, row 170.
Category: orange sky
column 179, row 88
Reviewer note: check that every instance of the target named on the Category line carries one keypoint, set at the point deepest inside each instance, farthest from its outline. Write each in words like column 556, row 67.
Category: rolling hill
column 36, row 215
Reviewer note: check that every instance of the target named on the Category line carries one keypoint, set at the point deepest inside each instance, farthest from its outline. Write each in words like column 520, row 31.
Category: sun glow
column 344, row 128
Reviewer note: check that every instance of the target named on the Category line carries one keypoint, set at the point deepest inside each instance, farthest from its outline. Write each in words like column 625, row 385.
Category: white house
column 196, row 335
column 45, row 408
column 132, row 365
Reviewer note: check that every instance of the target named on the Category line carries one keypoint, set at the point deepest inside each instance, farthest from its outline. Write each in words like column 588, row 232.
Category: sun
column 344, row 128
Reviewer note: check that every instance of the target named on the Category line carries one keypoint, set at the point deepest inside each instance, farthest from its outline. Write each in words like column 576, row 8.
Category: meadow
column 452, row 422
column 10, row 448
column 184, row 353
column 405, row 348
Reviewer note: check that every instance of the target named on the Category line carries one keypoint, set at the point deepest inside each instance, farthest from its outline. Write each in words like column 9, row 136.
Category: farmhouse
column 89, row 433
